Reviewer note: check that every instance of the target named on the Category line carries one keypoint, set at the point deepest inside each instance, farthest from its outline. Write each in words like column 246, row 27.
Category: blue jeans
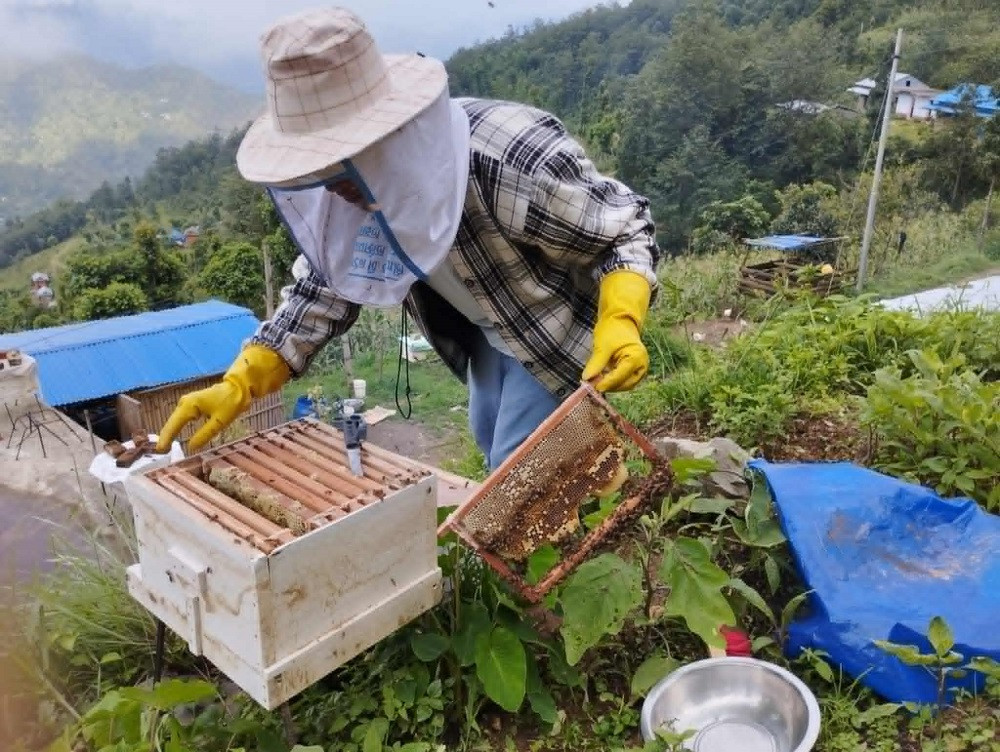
column 506, row 403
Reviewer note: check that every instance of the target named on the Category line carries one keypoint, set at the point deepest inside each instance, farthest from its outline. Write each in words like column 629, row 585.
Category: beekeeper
column 525, row 269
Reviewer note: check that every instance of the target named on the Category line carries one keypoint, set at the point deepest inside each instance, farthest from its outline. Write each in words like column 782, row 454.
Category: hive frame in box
column 273, row 610
column 586, row 397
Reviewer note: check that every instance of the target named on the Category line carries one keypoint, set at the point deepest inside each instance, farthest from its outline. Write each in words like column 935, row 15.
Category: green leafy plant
column 596, row 600
column 135, row 719
column 943, row 663
column 939, row 426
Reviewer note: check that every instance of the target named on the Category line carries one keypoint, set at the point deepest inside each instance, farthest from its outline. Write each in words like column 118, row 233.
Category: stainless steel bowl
column 734, row 705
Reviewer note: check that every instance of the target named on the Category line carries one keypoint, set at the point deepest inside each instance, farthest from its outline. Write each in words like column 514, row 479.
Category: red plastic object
column 737, row 642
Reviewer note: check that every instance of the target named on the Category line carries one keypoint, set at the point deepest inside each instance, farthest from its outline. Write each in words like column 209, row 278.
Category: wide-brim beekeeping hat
column 330, row 95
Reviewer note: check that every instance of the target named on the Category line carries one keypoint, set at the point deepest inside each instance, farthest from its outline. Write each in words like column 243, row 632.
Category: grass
column 17, row 276
column 434, row 389
column 906, row 279
column 913, row 131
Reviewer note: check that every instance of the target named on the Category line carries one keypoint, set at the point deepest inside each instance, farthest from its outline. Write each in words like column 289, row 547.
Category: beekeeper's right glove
column 257, row 371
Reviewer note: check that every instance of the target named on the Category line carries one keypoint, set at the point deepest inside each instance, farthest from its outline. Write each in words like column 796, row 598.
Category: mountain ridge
column 71, row 123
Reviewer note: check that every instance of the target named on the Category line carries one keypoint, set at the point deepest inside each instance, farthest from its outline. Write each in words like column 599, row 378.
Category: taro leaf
column 540, row 562
column 940, row 636
column 650, row 672
column 520, row 627
column 429, row 646
column 539, row 696
column 501, row 666
column 544, row 705
column 375, row 736
column 596, row 599
column 475, row 621
column 561, row 671
column 752, row 597
column 696, row 584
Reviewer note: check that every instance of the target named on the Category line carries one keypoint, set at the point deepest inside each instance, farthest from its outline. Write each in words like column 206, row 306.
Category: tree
column 728, row 222
column 950, row 159
column 989, row 163
column 162, row 273
column 235, row 273
column 808, row 210
column 696, row 174
column 117, row 299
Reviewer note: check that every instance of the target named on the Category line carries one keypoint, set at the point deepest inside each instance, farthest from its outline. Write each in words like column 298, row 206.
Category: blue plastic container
column 304, row 408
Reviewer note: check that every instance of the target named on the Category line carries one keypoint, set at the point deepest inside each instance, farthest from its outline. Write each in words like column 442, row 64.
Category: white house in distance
column 911, row 96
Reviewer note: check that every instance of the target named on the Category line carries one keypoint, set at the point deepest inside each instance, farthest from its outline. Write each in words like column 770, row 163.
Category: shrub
column 939, row 426
column 117, row 299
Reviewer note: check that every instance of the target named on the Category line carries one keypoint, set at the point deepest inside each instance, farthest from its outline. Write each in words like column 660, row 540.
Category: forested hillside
column 697, row 103
column 681, row 98
column 68, row 124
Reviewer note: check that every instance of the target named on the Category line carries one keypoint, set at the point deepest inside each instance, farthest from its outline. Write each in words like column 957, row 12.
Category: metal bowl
column 734, row 705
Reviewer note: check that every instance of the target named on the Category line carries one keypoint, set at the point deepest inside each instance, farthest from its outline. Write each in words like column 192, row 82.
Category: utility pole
column 268, row 282
column 866, row 241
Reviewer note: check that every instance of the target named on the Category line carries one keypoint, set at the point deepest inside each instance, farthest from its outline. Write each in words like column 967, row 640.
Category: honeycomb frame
column 509, row 495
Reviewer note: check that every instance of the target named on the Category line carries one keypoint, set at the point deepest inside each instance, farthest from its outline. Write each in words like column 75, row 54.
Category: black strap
column 403, row 351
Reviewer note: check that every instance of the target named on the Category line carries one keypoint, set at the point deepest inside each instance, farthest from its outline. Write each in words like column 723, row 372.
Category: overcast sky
column 220, row 36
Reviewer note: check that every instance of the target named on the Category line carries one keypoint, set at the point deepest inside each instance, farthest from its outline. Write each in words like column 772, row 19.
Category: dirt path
column 412, row 439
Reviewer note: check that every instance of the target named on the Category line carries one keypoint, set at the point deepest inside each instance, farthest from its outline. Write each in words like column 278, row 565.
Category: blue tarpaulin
column 790, row 242
column 978, row 98
column 882, row 558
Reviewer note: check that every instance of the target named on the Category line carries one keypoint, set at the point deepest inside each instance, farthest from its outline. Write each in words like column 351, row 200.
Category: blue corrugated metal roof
column 94, row 359
column 979, row 96
column 788, row 242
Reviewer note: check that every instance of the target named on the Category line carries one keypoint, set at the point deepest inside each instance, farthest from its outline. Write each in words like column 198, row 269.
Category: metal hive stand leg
column 161, row 639
column 291, row 734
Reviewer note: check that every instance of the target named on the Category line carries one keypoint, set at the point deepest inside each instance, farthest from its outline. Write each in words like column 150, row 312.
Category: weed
column 940, row 426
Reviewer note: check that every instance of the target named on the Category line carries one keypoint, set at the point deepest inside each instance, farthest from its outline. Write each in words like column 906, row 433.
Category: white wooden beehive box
column 276, row 607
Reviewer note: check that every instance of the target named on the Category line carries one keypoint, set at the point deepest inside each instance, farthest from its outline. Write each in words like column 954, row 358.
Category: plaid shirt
column 540, row 227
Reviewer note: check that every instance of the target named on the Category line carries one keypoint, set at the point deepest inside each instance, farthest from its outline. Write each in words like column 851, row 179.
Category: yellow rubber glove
column 619, row 356
column 255, row 372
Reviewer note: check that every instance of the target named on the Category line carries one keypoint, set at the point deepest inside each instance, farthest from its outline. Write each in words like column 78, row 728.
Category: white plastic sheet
column 103, row 466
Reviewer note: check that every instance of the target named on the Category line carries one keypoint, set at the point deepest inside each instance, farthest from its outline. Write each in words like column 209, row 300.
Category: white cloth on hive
column 103, row 466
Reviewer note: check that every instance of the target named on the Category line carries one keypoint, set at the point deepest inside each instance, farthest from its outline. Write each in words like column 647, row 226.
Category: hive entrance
column 278, row 484
column 559, row 488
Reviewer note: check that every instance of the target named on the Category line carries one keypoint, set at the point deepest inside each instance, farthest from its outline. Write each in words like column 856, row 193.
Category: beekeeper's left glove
column 619, row 360
column 255, row 372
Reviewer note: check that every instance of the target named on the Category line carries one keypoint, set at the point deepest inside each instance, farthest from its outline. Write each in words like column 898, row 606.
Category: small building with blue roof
column 112, row 366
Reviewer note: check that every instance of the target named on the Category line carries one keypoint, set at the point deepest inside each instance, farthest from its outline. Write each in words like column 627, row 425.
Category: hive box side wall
column 249, row 678
column 327, row 577
column 297, row 672
column 206, row 580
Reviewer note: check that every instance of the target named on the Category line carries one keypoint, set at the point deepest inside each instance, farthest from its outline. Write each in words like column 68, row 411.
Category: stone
column 730, row 459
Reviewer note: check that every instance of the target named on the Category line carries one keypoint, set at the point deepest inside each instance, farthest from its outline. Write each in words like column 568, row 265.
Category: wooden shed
column 803, row 262
column 149, row 409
